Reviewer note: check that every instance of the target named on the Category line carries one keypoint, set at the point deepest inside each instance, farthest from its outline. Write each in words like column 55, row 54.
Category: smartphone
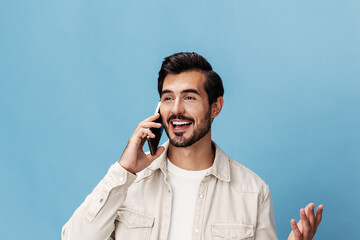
column 154, row 142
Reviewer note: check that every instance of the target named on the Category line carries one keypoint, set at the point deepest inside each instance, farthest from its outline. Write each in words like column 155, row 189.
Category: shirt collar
column 220, row 168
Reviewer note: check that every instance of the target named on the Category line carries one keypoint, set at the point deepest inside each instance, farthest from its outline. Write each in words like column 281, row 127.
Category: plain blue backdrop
column 77, row 76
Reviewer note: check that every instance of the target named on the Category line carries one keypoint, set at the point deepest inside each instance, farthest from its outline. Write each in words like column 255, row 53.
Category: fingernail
column 302, row 211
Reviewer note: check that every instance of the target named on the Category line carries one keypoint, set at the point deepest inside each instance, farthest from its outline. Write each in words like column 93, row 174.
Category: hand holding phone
column 134, row 159
column 154, row 142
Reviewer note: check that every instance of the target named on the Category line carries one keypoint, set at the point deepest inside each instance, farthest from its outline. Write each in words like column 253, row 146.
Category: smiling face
column 185, row 109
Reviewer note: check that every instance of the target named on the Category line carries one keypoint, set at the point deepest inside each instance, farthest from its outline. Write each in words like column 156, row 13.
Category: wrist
column 126, row 167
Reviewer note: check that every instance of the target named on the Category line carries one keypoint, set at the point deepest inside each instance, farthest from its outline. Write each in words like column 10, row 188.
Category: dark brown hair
column 188, row 61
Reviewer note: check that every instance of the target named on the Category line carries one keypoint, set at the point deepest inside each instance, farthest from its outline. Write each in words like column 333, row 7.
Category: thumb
column 151, row 158
column 159, row 151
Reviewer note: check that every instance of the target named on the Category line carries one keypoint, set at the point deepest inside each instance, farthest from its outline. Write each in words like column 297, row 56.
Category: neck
column 198, row 156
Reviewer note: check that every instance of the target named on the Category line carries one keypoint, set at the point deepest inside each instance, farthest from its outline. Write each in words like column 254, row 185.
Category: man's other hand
column 133, row 158
column 306, row 228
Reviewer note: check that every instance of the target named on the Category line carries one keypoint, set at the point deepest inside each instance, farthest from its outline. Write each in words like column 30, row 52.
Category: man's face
column 185, row 109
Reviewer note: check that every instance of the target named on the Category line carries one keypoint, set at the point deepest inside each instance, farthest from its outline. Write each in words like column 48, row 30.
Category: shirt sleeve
column 265, row 229
column 95, row 218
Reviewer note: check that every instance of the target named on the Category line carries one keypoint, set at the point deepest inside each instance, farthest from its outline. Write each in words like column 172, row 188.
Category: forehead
column 184, row 80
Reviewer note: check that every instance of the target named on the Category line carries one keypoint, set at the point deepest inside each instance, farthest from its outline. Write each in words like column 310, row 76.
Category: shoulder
column 245, row 180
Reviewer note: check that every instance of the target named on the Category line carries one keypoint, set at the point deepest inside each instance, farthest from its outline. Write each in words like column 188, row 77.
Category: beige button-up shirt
column 233, row 203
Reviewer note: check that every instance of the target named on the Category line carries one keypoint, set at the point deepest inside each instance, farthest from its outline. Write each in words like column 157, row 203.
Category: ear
column 216, row 107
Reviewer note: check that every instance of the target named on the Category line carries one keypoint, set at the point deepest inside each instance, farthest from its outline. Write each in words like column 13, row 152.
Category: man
column 190, row 189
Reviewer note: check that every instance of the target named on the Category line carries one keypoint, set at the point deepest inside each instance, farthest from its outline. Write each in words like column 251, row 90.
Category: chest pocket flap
column 232, row 231
column 134, row 219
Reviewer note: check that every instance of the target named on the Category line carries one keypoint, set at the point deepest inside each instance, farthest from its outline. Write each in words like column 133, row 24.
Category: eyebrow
column 190, row 90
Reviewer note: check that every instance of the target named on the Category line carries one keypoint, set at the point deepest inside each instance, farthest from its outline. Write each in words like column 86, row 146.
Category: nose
column 177, row 107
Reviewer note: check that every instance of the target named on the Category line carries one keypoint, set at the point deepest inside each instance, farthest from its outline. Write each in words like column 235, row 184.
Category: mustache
column 181, row 117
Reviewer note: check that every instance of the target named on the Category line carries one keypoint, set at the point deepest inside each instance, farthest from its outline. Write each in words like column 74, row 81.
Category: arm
column 95, row 218
column 265, row 227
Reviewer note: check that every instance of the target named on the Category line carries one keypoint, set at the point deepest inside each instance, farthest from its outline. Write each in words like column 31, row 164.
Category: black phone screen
column 154, row 142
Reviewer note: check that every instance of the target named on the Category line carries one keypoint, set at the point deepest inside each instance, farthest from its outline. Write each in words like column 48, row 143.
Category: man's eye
column 167, row 98
column 190, row 98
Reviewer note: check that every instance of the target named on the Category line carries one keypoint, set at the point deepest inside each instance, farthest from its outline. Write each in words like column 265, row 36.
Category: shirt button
column 121, row 179
column 234, row 236
column 201, row 196
column 196, row 230
column 101, row 200
column 131, row 222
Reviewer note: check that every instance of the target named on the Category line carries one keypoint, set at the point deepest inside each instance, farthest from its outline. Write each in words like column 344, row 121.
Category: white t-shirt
column 184, row 185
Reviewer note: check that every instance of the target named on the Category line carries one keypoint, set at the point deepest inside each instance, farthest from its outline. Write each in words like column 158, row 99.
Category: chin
column 179, row 140
column 181, row 144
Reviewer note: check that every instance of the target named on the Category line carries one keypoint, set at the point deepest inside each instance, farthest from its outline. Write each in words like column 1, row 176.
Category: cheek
column 198, row 113
column 164, row 116
column 163, row 113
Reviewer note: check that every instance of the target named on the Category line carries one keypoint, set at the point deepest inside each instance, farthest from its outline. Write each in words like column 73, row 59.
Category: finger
column 305, row 224
column 142, row 135
column 152, row 118
column 295, row 229
column 318, row 215
column 300, row 226
column 144, row 132
column 149, row 125
column 309, row 210
column 159, row 151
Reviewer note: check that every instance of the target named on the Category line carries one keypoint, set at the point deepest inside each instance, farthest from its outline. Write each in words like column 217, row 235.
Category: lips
column 180, row 125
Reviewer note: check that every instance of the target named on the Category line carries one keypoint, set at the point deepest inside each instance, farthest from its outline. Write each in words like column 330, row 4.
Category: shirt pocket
column 221, row 231
column 131, row 225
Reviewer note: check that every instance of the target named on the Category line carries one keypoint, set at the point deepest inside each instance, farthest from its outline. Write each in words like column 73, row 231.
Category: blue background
column 77, row 76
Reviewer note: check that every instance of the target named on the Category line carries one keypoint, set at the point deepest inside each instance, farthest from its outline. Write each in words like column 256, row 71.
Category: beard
column 179, row 140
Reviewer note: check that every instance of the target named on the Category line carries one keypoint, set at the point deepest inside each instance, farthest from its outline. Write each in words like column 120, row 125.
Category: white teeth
column 180, row 123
